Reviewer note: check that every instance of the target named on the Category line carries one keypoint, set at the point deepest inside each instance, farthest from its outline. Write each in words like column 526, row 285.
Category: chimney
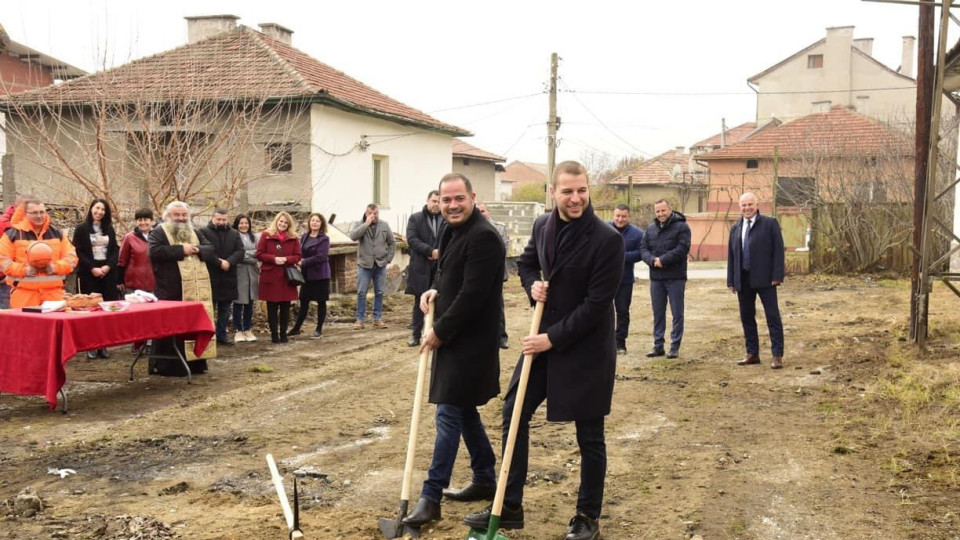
column 204, row 26
column 864, row 45
column 906, row 61
column 277, row 32
column 679, row 150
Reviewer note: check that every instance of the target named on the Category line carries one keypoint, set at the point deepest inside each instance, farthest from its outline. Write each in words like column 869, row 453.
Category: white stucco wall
column 889, row 97
column 343, row 184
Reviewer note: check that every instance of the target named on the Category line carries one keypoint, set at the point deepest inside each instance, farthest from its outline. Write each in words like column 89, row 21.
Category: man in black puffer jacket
column 664, row 248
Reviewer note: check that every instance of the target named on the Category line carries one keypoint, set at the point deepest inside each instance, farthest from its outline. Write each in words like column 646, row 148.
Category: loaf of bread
column 83, row 300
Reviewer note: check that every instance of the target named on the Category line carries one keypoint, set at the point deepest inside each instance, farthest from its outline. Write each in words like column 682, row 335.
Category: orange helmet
column 39, row 255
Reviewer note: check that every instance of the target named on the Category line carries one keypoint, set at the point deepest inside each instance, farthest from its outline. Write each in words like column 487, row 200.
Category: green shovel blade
column 491, row 533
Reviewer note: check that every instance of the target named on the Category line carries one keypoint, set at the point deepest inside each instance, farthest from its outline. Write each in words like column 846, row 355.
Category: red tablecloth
column 34, row 347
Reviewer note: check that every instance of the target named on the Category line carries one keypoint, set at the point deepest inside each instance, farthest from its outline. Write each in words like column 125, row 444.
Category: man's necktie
column 746, row 245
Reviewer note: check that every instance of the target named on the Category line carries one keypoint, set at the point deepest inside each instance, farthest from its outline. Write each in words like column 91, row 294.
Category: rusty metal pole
column 925, row 81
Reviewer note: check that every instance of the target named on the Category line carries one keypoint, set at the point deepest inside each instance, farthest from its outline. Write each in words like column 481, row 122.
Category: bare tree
column 146, row 138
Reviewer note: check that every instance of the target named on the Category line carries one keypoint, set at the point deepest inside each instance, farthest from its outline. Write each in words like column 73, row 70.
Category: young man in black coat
column 755, row 267
column 573, row 262
column 223, row 271
column 423, row 238
column 664, row 248
column 466, row 367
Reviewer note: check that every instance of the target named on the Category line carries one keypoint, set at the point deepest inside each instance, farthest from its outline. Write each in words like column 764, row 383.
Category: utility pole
column 925, row 82
column 553, row 123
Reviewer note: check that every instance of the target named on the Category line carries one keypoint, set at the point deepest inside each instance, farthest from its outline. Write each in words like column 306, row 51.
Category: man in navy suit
column 755, row 267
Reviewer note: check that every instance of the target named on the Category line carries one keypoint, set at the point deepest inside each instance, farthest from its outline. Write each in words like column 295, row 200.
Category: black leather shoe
column 583, row 528
column 510, row 518
column 473, row 492
column 673, row 353
column 424, row 512
column 102, row 353
column 92, row 355
column 655, row 352
column 294, row 332
column 504, row 343
column 414, row 342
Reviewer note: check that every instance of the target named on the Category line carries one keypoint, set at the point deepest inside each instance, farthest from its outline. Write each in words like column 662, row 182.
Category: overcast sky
column 675, row 68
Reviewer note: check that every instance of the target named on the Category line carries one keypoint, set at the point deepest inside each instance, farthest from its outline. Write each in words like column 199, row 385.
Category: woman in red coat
column 134, row 261
column 278, row 248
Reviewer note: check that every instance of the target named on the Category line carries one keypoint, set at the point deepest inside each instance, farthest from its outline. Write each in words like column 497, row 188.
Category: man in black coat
column 664, row 248
column 423, row 238
column 573, row 262
column 466, row 367
column 223, row 271
column 755, row 267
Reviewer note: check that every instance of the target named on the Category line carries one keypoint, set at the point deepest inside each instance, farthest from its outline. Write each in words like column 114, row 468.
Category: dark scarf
column 568, row 233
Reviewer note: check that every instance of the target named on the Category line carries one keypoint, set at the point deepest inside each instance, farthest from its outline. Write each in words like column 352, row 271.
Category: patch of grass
column 261, row 368
column 827, row 407
column 736, row 527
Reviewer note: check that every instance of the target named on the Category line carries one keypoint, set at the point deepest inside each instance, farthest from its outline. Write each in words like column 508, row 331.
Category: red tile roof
column 658, row 170
column 839, row 132
column 463, row 149
column 240, row 64
column 523, row 172
column 734, row 135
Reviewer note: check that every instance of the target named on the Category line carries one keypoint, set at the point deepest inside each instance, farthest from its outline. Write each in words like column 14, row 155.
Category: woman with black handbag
column 279, row 252
column 315, row 247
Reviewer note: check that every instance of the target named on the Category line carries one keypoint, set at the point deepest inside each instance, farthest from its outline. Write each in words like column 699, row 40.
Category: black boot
column 583, row 528
column 284, row 320
column 102, row 353
column 424, row 512
column 510, row 518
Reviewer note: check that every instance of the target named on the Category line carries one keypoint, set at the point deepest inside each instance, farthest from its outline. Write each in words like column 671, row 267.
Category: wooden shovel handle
column 515, row 417
column 278, row 483
column 417, row 405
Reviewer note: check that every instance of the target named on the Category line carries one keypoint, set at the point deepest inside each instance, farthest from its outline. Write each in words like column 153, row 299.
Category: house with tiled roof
column 23, row 68
column 838, row 70
column 480, row 166
column 666, row 176
column 835, row 157
column 312, row 137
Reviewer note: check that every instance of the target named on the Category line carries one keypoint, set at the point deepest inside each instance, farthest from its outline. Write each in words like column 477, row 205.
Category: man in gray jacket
column 377, row 246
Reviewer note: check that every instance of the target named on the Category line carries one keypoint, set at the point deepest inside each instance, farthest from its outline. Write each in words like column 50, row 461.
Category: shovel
column 494, row 525
column 292, row 518
column 395, row 528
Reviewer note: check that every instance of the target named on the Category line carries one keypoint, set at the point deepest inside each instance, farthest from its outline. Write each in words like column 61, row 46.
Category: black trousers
column 278, row 328
column 590, row 439
column 621, row 303
column 417, row 317
column 747, row 297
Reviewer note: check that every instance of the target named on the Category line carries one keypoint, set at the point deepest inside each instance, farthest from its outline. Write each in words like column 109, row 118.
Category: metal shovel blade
column 394, row 528
column 492, row 532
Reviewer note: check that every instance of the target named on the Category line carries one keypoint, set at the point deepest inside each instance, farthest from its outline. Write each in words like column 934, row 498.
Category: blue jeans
column 378, row 275
column 452, row 422
column 243, row 317
column 223, row 318
column 660, row 291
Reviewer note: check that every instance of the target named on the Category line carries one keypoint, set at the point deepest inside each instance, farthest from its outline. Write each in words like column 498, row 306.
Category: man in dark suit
column 465, row 336
column 755, row 267
column 423, row 238
column 632, row 237
column 578, row 258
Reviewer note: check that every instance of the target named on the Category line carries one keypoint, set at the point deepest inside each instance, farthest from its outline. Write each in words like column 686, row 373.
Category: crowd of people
column 579, row 266
column 227, row 267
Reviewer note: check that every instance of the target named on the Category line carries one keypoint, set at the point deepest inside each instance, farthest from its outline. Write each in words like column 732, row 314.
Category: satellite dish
column 677, row 172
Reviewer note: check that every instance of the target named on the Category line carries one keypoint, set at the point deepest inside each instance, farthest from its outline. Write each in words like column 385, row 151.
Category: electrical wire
column 602, row 123
column 458, row 107
column 737, row 93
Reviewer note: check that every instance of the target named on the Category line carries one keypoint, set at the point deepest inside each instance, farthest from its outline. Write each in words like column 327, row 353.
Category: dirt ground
column 838, row 445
